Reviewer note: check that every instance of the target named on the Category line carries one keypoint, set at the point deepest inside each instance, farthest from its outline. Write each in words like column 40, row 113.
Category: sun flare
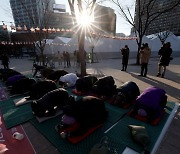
column 85, row 19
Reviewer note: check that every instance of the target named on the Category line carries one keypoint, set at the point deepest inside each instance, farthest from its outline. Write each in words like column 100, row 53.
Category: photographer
column 125, row 57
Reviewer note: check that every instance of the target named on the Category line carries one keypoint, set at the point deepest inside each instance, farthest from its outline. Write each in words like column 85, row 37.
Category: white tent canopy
column 48, row 45
column 64, row 44
column 156, row 43
column 100, row 45
column 106, row 45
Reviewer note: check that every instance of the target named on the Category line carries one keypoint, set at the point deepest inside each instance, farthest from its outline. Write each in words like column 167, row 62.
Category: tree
column 146, row 11
column 76, row 13
column 163, row 36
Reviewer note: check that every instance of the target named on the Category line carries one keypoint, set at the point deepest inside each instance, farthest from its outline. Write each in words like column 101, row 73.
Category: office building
column 30, row 12
column 104, row 20
column 167, row 21
column 40, row 13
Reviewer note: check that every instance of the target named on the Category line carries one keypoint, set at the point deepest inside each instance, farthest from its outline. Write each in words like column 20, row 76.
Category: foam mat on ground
column 121, row 133
column 47, row 129
column 119, row 137
column 42, row 119
column 15, row 115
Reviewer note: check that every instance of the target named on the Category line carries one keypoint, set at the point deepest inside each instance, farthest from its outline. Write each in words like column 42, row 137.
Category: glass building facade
column 166, row 21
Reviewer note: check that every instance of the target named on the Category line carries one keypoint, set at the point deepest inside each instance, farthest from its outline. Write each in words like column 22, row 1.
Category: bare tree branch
column 146, row 12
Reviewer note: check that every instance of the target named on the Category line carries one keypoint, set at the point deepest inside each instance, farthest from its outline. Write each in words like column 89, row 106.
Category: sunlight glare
column 84, row 19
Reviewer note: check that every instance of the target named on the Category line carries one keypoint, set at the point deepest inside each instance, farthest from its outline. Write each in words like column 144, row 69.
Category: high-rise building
column 30, row 12
column 104, row 20
column 166, row 21
column 40, row 13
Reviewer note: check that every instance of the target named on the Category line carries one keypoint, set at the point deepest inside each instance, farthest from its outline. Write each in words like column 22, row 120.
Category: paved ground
column 171, row 83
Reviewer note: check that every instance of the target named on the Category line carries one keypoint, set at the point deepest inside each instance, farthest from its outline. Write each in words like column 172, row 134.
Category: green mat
column 47, row 128
column 120, row 134
column 15, row 115
column 114, row 113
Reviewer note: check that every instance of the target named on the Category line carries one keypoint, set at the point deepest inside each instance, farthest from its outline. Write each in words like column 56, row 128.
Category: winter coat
column 165, row 54
column 125, row 55
column 145, row 54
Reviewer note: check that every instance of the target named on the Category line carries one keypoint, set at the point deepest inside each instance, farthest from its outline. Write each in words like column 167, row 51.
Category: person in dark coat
column 5, row 61
column 165, row 57
column 88, row 112
column 22, row 86
column 38, row 68
column 56, row 75
column 40, row 88
column 45, row 106
column 6, row 73
column 125, row 57
column 68, row 61
column 64, row 58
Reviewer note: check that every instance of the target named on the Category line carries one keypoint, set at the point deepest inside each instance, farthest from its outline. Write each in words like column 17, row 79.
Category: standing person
column 64, row 58
column 59, row 58
column 68, row 61
column 5, row 61
column 165, row 57
column 38, row 68
column 125, row 57
column 145, row 53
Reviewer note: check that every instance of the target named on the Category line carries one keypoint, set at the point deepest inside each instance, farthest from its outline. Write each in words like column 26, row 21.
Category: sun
column 84, row 19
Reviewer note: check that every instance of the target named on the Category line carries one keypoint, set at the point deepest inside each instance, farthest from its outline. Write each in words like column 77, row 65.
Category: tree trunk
column 138, row 55
column 82, row 52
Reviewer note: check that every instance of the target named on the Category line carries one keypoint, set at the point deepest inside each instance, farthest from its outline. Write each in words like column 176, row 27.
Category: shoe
column 140, row 75
column 122, row 70
column 162, row 76
column 144, row 76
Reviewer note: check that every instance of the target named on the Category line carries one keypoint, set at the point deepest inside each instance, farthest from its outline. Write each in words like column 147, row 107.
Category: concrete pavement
column 171, row 84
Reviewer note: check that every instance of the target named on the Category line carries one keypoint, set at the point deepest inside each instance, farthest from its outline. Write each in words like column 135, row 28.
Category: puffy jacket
column 145, row 54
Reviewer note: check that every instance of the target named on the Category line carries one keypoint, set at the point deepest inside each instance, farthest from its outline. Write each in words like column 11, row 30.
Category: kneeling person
column 45, row 106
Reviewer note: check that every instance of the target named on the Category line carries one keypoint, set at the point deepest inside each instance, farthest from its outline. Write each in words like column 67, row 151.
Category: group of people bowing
column 52, row 92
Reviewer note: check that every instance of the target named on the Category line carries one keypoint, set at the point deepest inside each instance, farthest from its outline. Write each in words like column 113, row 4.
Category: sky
column 121, row 25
